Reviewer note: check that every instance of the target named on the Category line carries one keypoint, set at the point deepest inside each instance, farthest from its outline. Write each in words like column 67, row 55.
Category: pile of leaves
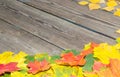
column 112, row 6
column 95, row 60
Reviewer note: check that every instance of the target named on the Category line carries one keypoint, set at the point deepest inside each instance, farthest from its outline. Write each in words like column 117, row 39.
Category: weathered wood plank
column 50, row 28
column 15, row 39
column 100, row 21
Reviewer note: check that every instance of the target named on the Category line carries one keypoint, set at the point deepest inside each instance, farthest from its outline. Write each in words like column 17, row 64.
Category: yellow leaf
column 117, row 13
column 94, row 1
column 118, row 31
column 108, row 8
column 111, row 3
column 20, row 58
column 83, row 2
column 93, row 6
column 105, row 52
column 91, row 74
column 6, row 57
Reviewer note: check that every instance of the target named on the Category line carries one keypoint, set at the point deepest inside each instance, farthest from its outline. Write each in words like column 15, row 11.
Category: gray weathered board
column 52, row 25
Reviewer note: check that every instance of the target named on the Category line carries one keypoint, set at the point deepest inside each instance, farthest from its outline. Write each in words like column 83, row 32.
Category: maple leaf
column 67, row 71
column 89, row 63
column 98, row 65
column 83, row 3
column 71, row 59
column 115, row 67
column 10, row 67
column 106, row 73
column 37, row 66
column 89, row 49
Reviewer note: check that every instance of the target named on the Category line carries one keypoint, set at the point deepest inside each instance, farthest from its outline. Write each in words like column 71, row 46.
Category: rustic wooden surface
column 52, row 25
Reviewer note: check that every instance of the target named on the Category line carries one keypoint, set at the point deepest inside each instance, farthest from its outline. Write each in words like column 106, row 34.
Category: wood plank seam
column 70, row 21
column 33, row 34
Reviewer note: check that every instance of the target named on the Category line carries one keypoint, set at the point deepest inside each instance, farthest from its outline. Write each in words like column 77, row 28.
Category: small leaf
column 98, row 65
column 83, row 3
column 73, row 51
column 10, row 67
column 6, row 75
column 71, row 59
column 94, row 1
column 93, row 6
column 118, row 40
column 29, row 58
column 108, row 8
column 53, row 58
column 111, row 3
column 117, row 13
column 36, row 66
column 89, row 63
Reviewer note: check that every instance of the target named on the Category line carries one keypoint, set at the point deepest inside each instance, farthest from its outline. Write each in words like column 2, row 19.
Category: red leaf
column 37, row 66
column 10, row 67
column 71, row 59
column 98, row 65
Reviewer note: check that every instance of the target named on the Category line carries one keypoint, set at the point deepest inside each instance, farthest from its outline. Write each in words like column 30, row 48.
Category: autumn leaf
column 115, row 67
column 37, row 66
column 104, row 52
column 118, row 40
column 98, row 66
column 111, row 3
column 73, row 51
column 10, row 67
column 83, row 2
column 67, row 71
column 89, row 63
column 94, row 1
column 6, row 57
column 89, row 48
column 108, row 8
column 71, row 59
column 105, row 73
column 93, row 6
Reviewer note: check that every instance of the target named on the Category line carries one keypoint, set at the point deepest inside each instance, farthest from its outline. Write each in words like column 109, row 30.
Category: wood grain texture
column 99, row 21
column 48, row 27
column 15, row 39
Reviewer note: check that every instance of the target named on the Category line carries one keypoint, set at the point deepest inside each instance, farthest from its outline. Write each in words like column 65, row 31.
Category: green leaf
column 73, row 51
column 29, row 58
column 118, row 40
column 67, row 71
column 53, row 58
column 41, row 57
column 89, row 63
column 6, row 75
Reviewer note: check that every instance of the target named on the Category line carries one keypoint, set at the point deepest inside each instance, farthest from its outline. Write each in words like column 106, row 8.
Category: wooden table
column 50, row 26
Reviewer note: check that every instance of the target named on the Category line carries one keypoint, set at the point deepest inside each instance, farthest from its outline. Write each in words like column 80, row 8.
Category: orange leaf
column 115, row 67
column 10, row 67
column 37, row 66
column 71, row 59
column 90, row 50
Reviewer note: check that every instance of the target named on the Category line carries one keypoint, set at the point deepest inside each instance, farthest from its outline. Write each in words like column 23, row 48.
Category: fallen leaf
column 112, row 3
column 89, row 63
column 108, row 8
column 98, row 65
column 115, row 67
column 93, row 6
column 71, row 59
column 83, row 3
column 10, row 67
column 36, row 66
column 94, row 1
